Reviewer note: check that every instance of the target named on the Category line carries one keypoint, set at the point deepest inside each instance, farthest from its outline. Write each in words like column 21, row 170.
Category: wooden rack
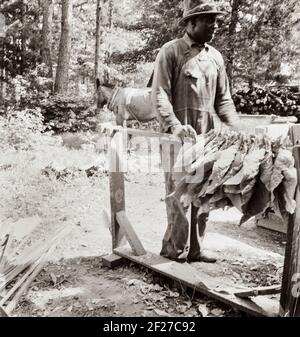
column 122, row 229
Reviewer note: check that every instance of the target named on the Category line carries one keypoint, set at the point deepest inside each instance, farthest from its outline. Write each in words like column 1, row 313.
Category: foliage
column 22, row 130
column 255, row 44
column 26, row 155
column 157, row 23
column 258, row 42
column 30, row 88
column 70, row 113
column 22, row 45
column 255, row 40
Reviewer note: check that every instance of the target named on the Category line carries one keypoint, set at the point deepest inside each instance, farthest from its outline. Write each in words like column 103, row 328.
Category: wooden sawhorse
column 186, row 274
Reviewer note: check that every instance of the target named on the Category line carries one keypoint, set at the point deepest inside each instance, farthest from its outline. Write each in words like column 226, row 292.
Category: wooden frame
column 121, row 228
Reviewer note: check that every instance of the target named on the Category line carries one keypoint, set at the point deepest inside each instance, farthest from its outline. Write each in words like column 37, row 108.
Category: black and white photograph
column 149, row 161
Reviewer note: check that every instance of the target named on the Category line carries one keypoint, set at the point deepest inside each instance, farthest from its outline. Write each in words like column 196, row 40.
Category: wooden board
column 112, row 261
column 209, row 286
column 272, row 222
column 141, row 133
column 130, row 234
column 117, row 188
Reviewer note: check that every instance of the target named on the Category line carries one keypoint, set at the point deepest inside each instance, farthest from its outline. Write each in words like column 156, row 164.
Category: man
column 190, row 84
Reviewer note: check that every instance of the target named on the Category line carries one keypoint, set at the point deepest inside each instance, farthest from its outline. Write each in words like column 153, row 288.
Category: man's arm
column 224, row 105
column 162, row 90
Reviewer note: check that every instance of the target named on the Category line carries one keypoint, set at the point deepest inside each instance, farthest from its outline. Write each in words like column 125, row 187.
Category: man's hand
column 183, row 131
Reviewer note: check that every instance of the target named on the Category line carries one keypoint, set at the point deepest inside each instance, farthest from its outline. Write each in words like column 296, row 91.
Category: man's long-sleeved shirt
column 190, row 84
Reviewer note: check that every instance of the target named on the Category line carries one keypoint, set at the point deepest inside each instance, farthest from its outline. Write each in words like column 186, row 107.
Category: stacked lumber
column 20, row 266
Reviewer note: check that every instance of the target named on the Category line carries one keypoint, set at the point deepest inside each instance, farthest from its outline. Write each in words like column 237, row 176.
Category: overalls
column 183, row 239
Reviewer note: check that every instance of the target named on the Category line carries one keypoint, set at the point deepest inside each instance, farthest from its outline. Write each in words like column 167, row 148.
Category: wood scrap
column 30, row 277
column 14, row 272
column 5, row 250
column 35, row 259
column 50, row 246
column 259, row 291
column 26, row 259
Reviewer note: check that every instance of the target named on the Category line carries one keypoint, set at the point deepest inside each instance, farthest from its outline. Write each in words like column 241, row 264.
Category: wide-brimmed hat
column 193, row 8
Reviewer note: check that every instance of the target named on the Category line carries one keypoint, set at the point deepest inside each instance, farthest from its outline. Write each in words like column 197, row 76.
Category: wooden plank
column 117, row 188
column 112, row 261
column 259, row 291
column 28, row 257
column 289, row 302
column 12, row 274
column 141, row 133
column 130, row 234
column 209, row 286
column 23, row 284
column 272, row 222
column 27, row 279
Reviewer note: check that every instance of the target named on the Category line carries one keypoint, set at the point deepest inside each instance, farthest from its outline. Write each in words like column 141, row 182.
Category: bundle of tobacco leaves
column 249, row 172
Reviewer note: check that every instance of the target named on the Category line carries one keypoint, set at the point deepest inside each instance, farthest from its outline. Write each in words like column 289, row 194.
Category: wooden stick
column 28, row 278
column 33, row 272
column 259, row 291
column 19, row 282
column 30, row 257
column 5, row 252
column 4, row 245
column 12, row 274
column 51, row 243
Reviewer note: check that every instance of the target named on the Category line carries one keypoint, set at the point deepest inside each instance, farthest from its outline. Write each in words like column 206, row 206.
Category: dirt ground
column 75, row 283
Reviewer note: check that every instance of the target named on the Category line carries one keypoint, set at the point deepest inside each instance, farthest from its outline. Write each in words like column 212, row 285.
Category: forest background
column 52, row 51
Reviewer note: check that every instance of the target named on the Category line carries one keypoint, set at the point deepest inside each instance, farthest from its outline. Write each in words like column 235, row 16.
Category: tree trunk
column 2, row 71
column 232, row 36
column 62, row 72
column 98, row 41
column 110, row 13
column 47, row 35
column 110, row 25
column 103, row 19
column 23, row 39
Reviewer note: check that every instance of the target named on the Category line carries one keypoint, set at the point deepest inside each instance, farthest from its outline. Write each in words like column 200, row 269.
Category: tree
column 47, row 35
column 157, row 22
column 99, row 31
column 104, row 11
column 232, row 32
column 255, row 39
column 22, row 44
column 62, row 71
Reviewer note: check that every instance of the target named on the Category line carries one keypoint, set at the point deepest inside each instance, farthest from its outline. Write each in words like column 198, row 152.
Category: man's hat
column 193, row 8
